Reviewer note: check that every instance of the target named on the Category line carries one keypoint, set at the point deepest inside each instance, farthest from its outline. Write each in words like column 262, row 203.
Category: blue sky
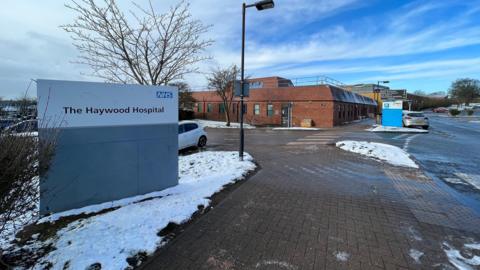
column 417, row 45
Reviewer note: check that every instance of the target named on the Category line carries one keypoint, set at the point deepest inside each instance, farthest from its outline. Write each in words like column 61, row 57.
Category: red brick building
column 275, row 101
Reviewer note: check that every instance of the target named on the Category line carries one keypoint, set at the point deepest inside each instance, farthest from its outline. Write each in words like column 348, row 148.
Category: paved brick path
column 312, row 206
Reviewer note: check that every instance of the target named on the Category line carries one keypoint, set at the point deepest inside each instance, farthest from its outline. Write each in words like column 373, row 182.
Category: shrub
column 470, row 112
column 23, row 158
column 454, row 112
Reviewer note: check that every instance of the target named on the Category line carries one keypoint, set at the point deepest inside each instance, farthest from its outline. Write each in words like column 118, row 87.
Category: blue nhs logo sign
column 164, row 94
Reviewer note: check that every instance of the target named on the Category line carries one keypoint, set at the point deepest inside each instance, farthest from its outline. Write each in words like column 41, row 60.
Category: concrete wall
column 98, row 164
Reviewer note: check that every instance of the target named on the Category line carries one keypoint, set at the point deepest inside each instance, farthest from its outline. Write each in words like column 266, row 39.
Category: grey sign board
column 113, row 141
column 238, row 88
column 395, row 94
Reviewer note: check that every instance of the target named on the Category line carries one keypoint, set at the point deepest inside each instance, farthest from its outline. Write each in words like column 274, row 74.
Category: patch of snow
column 454, row 180
column 415, row 255
column 475, row 121
column 277, row 264
column 341, row 256
column 27, row 134
column 221, row 124
column 472, row 179
column 396, row 129
column 389, row 153
column 12, row 227
column 295, row 128
column 110, row 238
column 473, row 246
column 456, row 258
column 414, row 234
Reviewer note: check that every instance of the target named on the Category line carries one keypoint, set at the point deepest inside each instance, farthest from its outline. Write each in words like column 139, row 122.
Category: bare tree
column 155, row 49
column 419, row 93
column 465, row 90
column 222, row 80
column 185, row 97
column 25, row 105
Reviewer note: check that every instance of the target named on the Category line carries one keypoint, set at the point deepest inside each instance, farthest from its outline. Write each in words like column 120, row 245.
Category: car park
column 415, row 119
column 190, row 134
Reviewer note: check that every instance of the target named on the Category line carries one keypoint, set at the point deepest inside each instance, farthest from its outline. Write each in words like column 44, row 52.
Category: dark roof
column 342, row 95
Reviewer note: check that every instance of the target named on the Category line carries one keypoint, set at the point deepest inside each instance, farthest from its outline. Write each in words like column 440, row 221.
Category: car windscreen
column 416, row 115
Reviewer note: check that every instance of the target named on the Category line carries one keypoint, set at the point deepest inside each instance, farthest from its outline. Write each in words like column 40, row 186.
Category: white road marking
column 308, row 170
column 305, row 143
column 400, row 136
column 407, row 142
column 315, row 139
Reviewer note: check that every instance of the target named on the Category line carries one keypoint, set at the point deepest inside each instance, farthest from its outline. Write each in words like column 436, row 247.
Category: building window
column 209, row 107
column 269, row 110
column 256, row 84
column 199, row 107
column 221, row 108
column 256, row 109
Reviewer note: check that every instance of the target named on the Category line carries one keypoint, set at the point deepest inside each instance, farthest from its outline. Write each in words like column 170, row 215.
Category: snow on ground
column 475, row 121
column 341, row 256
column 457, row 258
column 396, row 129
column 295, row 128
column 472, row 179
column 453, row 180
column 275, row 264
column 389, row 153
column 415, row 255
column 11, row 228
column 112, row 237
column 28, row 134
column 221, row 124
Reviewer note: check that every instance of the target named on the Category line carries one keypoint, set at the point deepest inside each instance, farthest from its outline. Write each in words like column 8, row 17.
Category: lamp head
column 265, row 4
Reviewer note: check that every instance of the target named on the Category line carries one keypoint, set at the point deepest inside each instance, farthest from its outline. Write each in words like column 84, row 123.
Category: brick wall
column 308, row 102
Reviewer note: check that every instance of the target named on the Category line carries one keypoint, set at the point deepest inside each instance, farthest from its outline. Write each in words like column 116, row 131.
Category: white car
column 190, row 133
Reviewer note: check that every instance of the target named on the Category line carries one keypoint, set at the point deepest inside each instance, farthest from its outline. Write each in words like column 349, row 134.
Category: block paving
column 318, row 207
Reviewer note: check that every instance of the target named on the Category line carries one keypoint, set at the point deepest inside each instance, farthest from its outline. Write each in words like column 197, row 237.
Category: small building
column 276, row 101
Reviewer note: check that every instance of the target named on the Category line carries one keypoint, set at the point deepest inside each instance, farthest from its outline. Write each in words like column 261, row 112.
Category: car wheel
column 425, row 127
column 202, row 141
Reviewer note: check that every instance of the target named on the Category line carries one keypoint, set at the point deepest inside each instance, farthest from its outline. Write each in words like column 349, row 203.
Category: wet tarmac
column 449, row 154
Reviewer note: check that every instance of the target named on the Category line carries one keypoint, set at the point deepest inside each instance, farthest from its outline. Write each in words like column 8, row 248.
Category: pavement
column 314, row 206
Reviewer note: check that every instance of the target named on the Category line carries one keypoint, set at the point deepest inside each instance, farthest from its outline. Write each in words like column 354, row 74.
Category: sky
column 416, row 45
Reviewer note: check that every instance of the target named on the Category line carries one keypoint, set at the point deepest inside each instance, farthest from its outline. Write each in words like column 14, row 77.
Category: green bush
column 470, row 112
column 454, row 112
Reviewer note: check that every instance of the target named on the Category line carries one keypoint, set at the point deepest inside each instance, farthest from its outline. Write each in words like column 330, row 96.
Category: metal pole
column 376, row 98
column 242, row 83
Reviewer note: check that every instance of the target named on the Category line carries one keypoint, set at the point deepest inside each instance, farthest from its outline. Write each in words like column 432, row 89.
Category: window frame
column 270, row 109
column 256, row 109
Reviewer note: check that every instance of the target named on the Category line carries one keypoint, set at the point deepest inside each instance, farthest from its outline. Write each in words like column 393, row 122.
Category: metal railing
column 308, row 81
column 294, row 82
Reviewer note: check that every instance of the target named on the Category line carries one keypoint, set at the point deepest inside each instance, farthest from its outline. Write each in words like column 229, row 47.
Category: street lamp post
column 260, row 5
column 377, row 95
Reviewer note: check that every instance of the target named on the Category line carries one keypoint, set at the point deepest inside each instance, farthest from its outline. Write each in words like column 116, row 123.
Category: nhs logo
column 164, row 94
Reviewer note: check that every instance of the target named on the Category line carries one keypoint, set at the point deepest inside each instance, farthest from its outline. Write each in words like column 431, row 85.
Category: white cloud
column 279, row 41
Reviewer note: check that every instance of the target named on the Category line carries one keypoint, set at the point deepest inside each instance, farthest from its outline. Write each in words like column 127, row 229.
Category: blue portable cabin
column 392, row 113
